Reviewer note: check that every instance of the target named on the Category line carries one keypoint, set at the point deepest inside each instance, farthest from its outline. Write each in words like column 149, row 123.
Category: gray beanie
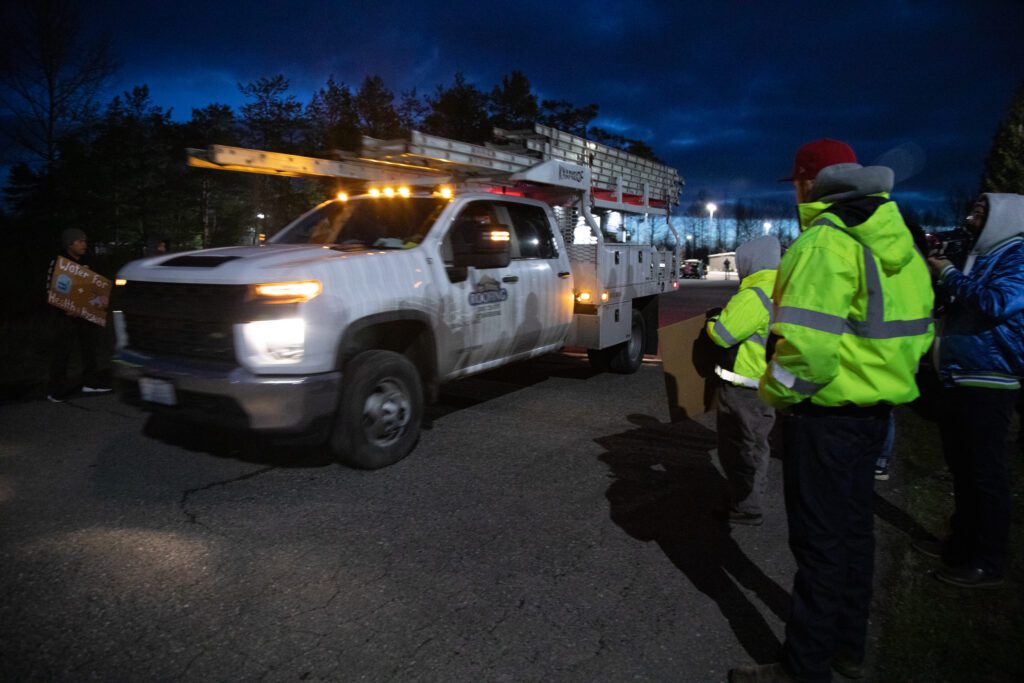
column 70, row 236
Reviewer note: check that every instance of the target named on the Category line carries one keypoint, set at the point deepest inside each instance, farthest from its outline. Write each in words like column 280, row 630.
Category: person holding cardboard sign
column 70, row 325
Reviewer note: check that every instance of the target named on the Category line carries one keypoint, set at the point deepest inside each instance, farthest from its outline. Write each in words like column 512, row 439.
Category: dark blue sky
column 723, row 90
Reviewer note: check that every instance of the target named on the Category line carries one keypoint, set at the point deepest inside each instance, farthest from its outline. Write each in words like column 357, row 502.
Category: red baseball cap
column 819, row 154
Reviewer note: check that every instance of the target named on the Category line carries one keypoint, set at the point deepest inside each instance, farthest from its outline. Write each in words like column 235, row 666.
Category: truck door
column 540, row 278
column 478, row 308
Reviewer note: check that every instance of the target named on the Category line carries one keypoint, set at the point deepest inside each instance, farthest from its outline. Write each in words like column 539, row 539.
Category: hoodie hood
column 859, row 196
column 759, row 254
column 1005, row 220
column 845, row 181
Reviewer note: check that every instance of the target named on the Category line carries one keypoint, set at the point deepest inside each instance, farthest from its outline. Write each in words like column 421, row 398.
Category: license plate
column 157, row 391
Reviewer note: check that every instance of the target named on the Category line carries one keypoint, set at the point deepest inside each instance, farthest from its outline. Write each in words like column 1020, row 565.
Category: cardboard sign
column 688, row 359
column 79, row 291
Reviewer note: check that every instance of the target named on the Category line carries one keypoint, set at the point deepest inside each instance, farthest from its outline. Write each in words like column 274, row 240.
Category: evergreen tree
column 375, row 105
column 567, row 117
column 213, row 207
column 271, row 118
column 459, row 112
column 333, row 119
column 637, row 147
column 127, row 170
column 412, row 110
column 513, row 105
column 1004, row 167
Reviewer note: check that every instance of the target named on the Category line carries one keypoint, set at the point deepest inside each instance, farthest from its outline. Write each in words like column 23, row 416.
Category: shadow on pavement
column 232, row 444
column 665, row 489
column 225, row 443
column 471, row 391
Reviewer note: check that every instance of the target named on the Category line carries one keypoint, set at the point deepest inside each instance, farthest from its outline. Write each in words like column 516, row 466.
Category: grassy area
column 930, row 631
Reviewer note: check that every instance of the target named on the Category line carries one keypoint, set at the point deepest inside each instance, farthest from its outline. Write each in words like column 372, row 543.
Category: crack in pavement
column 183, row 503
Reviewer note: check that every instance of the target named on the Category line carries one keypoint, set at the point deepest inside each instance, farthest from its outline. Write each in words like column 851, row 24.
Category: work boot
column 969, row 577
column 745, row 518
column 848, row 667
column 760, row 673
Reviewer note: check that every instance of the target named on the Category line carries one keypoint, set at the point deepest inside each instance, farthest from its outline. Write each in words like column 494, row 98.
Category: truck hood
column 235, row 265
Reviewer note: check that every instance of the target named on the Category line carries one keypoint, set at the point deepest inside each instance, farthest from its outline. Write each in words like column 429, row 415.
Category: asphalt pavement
column 550, row 525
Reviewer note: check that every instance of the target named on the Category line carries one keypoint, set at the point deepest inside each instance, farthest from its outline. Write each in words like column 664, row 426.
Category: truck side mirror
column 481, row 245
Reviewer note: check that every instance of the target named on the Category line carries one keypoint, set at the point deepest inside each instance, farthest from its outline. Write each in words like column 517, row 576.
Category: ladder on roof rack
column 617, row 179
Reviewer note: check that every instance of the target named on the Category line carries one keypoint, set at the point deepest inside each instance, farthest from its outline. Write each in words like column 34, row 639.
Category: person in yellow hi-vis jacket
column 853, row 317
column 744, row 422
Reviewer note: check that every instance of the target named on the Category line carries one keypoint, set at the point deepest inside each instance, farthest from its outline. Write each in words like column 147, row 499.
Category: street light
column 689, row 246
column 259, row 237
column 767, row 227
column 711, row 207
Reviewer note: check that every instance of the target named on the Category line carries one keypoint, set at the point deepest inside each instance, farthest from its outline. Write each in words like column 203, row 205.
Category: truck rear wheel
column 626, row 357
column 378, row 419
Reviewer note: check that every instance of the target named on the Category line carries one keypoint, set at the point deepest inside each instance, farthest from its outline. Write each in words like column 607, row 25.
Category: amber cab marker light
column 120, row 282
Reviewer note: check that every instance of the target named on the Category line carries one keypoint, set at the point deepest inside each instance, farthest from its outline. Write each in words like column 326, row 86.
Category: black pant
column 828, row 472
column 975, row 426
column 66, row 332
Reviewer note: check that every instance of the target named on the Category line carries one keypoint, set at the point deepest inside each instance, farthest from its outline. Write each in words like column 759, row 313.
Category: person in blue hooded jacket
column 980, row 352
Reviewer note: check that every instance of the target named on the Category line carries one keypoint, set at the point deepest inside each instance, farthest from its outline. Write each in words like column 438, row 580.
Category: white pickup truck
column 348, row 319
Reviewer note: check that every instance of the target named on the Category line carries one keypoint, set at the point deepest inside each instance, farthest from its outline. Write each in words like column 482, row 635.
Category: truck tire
column 381, row 408
column 625, row 358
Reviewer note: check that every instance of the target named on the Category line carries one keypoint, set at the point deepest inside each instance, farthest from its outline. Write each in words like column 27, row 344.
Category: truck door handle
column 510, row 278
column 564, row 274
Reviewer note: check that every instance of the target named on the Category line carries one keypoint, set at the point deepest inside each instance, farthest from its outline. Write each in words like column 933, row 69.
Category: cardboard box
column 79, row 291
column 688, row 359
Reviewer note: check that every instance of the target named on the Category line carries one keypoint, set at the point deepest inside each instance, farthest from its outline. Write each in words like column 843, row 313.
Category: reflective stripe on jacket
column 744, row 322
column 853, row 308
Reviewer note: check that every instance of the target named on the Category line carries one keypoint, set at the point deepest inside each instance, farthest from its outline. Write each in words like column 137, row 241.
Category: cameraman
column 981, row 361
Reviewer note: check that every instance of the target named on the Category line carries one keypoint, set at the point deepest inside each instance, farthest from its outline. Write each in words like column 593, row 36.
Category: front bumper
column 232, row 396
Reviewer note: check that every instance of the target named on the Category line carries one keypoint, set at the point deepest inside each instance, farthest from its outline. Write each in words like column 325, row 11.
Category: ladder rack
column 614, row 178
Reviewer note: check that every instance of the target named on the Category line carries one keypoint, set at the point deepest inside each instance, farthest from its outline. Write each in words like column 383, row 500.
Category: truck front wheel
column 378, row 420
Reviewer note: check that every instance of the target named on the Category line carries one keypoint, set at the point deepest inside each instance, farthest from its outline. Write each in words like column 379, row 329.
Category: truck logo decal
column 569, row 174
column 487, row 291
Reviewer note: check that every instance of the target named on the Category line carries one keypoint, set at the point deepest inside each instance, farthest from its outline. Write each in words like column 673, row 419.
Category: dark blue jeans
column 975, row 426
column 828, row 472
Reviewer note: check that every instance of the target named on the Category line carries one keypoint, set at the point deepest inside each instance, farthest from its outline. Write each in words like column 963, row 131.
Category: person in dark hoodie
column 744, row 422
column 852, row 320
column 68, row 329
column 981, row 362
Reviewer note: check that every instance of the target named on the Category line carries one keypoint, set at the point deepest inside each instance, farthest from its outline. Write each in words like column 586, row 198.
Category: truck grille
column 166, row 336
column 184, row 319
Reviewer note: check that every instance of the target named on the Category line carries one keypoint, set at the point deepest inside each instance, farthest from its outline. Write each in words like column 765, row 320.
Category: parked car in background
column 693, row 269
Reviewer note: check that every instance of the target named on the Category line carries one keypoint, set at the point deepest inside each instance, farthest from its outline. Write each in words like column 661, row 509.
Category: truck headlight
column 274, row 342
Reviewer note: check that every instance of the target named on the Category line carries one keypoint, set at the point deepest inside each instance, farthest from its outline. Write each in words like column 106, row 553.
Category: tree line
column 115, row 168
column 120, row 175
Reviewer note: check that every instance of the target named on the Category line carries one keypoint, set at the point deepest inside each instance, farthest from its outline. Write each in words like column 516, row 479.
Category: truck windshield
column 365, row 223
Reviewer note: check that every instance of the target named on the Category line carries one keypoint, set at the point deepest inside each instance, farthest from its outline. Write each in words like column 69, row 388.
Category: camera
column 951, row 244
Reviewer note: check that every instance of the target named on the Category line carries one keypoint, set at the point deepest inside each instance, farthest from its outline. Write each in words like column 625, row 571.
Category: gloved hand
column 712, row 312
